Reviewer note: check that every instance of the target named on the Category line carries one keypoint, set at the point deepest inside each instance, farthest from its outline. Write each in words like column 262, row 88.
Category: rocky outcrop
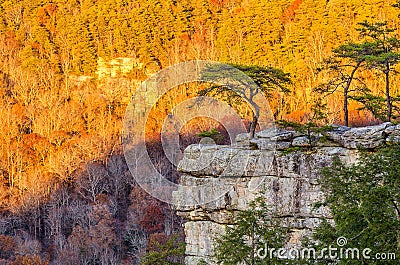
column 117, row 67
column 364, row 137
column 281, row 165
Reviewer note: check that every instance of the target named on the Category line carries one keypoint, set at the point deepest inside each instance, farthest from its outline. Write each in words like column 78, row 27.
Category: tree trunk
column 253, row 126
column 346, row 94
column 345, row 106
column 254, row 123
column 387, row 90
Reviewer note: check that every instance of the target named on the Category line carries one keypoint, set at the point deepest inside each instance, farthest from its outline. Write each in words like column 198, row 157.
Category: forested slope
column 61, row 165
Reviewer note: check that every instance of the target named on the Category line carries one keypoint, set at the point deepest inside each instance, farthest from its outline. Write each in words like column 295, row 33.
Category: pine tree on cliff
column 268, row 80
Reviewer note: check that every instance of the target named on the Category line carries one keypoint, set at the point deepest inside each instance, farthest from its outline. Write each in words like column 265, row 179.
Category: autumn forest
column 68, row 69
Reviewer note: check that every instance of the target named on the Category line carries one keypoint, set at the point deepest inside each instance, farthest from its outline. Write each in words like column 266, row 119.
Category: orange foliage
column 46, row 12
column 359, row 118
column 290, row 12
column 18, row 110
column 35, row 141
column 238, row 10
column 42, row 16
column 38, row 144
column 51, row 9
column 185, row 36
column 58, row 137
column 296, row 116
column 38, row 48
column 55, row 126
column 10, row 40
column 218, row 3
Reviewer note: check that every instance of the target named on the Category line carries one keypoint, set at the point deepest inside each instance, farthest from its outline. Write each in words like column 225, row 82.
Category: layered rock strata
column 281, row 165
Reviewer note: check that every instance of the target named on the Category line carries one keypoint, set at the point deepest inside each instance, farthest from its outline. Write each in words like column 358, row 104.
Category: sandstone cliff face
column 232, row 176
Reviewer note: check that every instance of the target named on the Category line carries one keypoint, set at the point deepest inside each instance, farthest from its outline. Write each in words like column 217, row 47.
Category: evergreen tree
column 253, row 229
column 346, row 61
column 384, row 54
column 170, row 251
column 364, row 201
column 267, row 80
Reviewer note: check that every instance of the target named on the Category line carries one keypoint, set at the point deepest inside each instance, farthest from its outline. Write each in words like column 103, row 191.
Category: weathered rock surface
column 225, row 179
column 364, row 137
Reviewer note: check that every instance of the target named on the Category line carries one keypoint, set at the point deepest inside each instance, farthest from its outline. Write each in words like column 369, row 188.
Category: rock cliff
column 283, row 165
